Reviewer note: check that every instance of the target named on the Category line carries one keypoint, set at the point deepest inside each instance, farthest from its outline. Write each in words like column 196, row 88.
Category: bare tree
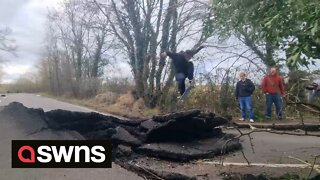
column 77, row 40
column 145, row 28
column 1, row 73
column 6, row 44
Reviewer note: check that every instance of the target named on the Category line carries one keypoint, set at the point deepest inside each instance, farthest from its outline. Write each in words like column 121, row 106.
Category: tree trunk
column 266, row 58
column 173, row 48
column 97, row 56
column 165, row 43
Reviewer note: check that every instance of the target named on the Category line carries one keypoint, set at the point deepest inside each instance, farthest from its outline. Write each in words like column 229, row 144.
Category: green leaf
column 294, row 58
column 269, row 23
column 314, row 29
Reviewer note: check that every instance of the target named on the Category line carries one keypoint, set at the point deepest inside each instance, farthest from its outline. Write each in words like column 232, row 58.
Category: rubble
column 124, row 151
column 122, row 136
column 31, row 120
column 181, row 136
column 184, row 126
column 187, row 151
column 153, row 174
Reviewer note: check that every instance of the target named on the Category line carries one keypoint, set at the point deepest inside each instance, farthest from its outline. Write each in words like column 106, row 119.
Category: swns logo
column 61, row 154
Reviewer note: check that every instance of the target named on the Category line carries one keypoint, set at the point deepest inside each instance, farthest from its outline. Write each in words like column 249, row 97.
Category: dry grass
column 127, row 106
column 118, row 104
column 201, row 97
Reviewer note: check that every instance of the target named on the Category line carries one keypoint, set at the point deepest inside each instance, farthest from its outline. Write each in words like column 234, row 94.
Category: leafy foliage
column 288, row 25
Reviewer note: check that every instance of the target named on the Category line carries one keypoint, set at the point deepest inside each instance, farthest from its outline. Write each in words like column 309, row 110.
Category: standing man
column 183, row 66
column 273, row 88
column 244, row 90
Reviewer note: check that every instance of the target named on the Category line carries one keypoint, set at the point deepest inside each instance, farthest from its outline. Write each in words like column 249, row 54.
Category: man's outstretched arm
column 168, row 53
column 197, row 50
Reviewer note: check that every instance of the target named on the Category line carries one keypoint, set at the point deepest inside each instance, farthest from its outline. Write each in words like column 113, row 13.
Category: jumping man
column 183, row 66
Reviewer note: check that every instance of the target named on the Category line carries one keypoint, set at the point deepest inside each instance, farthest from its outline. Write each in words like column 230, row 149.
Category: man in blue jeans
column 244, row 90
column 183, row 66
column 273, row 88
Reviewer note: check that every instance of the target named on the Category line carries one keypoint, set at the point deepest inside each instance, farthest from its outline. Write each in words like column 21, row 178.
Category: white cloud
column 122, row 70
column 27, row 20
column 14, row 71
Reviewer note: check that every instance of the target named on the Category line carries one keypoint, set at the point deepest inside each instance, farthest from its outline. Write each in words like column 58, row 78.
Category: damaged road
column 28, row 124
column 185, row 136
column 160, row 147
column 181, row 137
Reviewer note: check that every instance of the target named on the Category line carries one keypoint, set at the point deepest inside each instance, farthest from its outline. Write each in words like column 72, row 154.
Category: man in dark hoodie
column 244, row 90
column 183, row 66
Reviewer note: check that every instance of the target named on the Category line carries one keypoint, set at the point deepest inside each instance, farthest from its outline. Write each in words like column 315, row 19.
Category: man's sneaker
column 241, row 119
column 191, row 83
column 251, row 120
column 179, row 98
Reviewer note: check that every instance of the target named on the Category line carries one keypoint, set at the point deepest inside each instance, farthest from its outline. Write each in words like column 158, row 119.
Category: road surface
column 277, row 149
column 10, row 132
column 269, row 148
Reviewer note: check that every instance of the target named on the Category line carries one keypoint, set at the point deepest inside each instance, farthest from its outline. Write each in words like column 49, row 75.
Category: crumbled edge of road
column 175, row 129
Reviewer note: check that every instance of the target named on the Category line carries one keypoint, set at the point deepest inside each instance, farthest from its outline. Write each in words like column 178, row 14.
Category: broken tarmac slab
column 124, row 151
column 122, row 136
column 29, row 119
column 182, row 126
column 12, row 129
column 188, row 151
column 101, row 134
column 177, row 115
column 192, row 134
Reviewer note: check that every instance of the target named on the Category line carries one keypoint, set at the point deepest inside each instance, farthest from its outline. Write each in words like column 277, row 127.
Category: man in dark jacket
column 183, row 66
column 244, row 90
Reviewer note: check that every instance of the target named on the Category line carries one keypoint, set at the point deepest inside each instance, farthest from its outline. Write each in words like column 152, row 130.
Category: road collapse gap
column 181, row 136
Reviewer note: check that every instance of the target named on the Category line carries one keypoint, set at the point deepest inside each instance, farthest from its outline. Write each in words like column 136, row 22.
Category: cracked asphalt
column 269, row 148
column 11, row 131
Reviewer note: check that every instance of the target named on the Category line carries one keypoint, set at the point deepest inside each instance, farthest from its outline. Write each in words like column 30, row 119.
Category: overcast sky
column 27, row 20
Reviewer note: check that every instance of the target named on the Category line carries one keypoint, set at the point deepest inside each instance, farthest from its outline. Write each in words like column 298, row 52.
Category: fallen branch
column 260, row 164
column 149, row 172
column 223, row 150
column 254, row 130
column 305, row 126
column 312, row 166
column 280, row 133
